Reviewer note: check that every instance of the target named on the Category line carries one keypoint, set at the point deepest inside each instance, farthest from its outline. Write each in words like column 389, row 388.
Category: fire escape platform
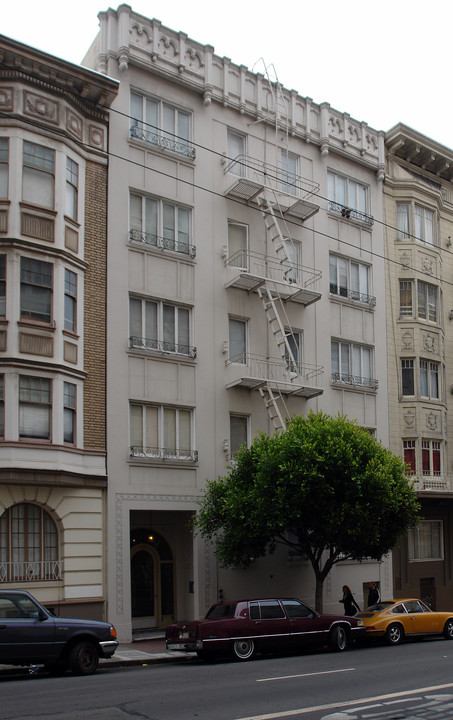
column 302, row 209
column 288, row 292
column 295, row 388
column 244, row 189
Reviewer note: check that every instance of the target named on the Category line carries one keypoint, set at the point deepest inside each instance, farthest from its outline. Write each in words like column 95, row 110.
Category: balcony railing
column 164, row 140
column 162, row 243
column 162, row 346
column 30, row 571
column 352, row 295
column 355, row 380
column 293, row 281
column 139, row 451
column 442, row 482
column 252, row 371
column 247, row 177
column 350, row 213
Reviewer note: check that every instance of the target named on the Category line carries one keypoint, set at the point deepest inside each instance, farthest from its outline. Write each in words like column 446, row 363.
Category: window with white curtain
column 237, row 245
column 161, row 431
column 352, row 364
column 34, row 407
column 237, row 343
column 289, row 172
column 69, row 413
column 425, row 542
column 160, row 224
column 157, row 325
column 38, row 176
column 161, row 124
column 403, row 220
column 239, row 425
column 429, row 379
column 28, row 544
column 292, row 273
column 36, row 282
column 416, row 221
column 294, row 340
column 4, row 157
column 349, row 278
column 347, row 192
column 236, row 153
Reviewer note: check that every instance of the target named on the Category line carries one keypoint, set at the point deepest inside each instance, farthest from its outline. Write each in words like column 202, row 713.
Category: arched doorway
column 152, row 583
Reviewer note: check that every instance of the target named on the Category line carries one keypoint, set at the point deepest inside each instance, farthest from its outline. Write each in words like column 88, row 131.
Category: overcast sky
column 383, row 63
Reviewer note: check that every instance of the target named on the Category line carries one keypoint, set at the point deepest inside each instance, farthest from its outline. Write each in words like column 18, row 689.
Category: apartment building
column 245, row 285
column 53, row 185
column 418, row 196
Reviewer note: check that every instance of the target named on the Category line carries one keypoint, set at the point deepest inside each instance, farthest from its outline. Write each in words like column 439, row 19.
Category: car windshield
column 222, row 611
column 378, row 607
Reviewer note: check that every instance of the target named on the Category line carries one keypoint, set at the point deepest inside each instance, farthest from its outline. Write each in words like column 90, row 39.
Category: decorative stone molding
column 409, row 417
column 427, row 265
column 70, row 352
column 406, row 259
column 42, row 107
column 74, row 124
column 429, row 343
column 38, row 227
column 96, row 136
column 432, row 420
column 32, row 344
column 407, row 340
column 6, row 99
column 71, row 239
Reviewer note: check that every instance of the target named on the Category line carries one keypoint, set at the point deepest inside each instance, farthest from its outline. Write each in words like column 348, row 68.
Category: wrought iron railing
column 276, row 370
column 162, row 346
column 30, row 571
column 355, row 380
column 139, row 451
column 162, row 243
column 350, row 213
column 352, row 294
column 432, row 482
column 163, row 140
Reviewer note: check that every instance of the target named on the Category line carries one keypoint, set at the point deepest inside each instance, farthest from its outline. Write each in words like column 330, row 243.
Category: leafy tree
column 325, row 482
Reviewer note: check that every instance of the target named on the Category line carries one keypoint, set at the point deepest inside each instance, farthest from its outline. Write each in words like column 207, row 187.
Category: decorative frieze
column 41, row 107
column 407, row 340
column 410, row 421
column 6, row 99
column 74, row 124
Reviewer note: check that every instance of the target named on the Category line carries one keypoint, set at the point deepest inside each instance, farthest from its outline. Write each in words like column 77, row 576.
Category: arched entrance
column 152, row 585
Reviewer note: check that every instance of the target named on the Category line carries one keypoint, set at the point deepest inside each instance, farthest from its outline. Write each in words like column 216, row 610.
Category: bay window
column 34, row 407
column 38, row 176
column 35, row 289
column 409, row 455
column 4, row 158
column 431, row 457
column 415, row 221
column 72, row 188
column 70, row 301
column 429, row 379
column 69, row 412
column 426, row 300
column 407, row 377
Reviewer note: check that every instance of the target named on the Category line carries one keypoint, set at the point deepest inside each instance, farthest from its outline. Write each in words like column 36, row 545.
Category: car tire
column 448, row 629
column 338, row 638
column 243, row 649
column 394, row 634
column 83, row 658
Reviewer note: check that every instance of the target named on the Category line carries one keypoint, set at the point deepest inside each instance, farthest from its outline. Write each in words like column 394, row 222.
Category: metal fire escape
column 277, row 282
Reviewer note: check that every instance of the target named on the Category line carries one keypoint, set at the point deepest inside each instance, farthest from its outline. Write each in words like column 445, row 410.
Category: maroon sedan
column 245, row 627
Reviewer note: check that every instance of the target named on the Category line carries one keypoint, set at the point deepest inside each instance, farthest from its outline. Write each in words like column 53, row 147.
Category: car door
column 421, row 621
column 305, row 627
column 271, row 625
column 23, row 632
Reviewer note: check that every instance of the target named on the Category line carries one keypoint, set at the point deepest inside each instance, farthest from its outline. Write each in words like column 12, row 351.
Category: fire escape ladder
column 273, row 229
column 277, row 328
column 271, row 402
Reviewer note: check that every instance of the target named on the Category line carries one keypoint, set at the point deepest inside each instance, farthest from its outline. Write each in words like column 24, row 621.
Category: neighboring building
column 245, row 284
column 53, row 185
column 419, row 229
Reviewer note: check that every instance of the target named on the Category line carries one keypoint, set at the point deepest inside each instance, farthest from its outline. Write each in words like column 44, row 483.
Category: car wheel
column 243, row 649
column 83, row 658
column 394, row 634
column 338, row 639
column 448, row 630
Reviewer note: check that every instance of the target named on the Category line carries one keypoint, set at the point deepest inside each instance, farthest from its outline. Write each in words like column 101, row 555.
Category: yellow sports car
column 396, row 619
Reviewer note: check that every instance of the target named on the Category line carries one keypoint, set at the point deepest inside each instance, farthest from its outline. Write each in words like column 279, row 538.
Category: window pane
column 184, row 430
column 237, row 341
column 405, row 298
column 4, row 167
column 150, row 225
column 183, row 328
column 169, row 428
column 434, row 380
column 235, row 148
column 335, row 357
column 151, row 321
column 169, row 225
column 407, row 367
column 169, row 325
column 424, row 378
column 183, row 226
column 237, row 245
column 152, row 426
column 238, row 433
column 136, row 423
column 135, row 318
column 403, row 221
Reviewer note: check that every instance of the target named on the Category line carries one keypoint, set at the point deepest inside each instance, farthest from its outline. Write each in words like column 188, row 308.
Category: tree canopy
column 324, row 486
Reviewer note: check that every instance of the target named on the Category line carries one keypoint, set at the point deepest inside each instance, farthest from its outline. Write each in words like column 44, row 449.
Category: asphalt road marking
column 349, row 703
column 288, row 677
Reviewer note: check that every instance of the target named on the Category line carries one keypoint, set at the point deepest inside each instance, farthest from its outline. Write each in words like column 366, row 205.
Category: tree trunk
column 318, row 592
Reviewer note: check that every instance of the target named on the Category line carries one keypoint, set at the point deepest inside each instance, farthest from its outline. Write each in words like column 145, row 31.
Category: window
column 236, row 150
column 431, row 457
column 294, row 340
column 292, row 273
column 346, row 192
column 238, row 433
column 161, row 124
column 28, row 545
column 161, row 432
column 425, row 542
column 2, row 406
column 161, row 224
column 352, row 364
column 289, row 166
column 349, row 279
column 427, row 301
column 38, row 175
column 156, row 325
column 70, row 300
column 418, row 217
column 407, row 377
column 72, row 186
column 2, row 285
column 237, row 245
column 429, row 379
column 69, row 412
column 35, row 289
column 34, row 408
column 409, row 455
column 4, row 151
column 237, row 344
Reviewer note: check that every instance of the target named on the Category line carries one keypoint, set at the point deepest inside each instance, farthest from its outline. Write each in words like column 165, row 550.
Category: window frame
column 148, row 123
column 409, row 228
column 414, row 541
column 38, row 166
column 344, row 196
column 148, row 224
column 234, row 166
column 4, row 167
column 29, row 544
column 410, row 455
column 238, row 258
column 160, row 414
column 36, row 407
column 360, row 294
column 70, row 300
column 407, row 376
column 289, row 177
column 36, row 268
column 70, row 412
column 2, row 406
column 419, row 300
column 432, row 373
column 347, row 355
column 155, row 316
column 244, row 422
column 72, row 189
column 239, row 358
column 3, row 269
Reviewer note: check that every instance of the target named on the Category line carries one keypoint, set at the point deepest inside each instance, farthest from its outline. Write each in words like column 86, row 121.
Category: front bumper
column 108, row 647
